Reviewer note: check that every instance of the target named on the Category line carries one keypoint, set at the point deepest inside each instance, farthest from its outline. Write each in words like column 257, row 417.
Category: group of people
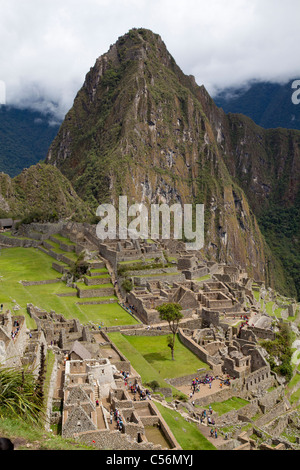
column 195, row 385
column 207, row 380
column 125, row 376
column 118, row 418
column 130, row 308
column 16, row 330
column 137, row 390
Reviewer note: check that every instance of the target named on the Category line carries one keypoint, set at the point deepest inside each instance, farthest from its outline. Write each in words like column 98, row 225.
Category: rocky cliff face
column 139, row 127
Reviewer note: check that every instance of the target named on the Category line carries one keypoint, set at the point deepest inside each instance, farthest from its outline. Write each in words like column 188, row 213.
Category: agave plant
column 19, row 395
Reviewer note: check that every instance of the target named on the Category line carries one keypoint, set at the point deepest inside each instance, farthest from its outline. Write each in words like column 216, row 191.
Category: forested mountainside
column 270, row 105
column 25, row 137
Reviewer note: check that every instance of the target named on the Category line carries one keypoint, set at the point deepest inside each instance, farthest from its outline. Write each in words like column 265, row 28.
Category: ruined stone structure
column 215, row 328
column 18, row 345
column 93, row 390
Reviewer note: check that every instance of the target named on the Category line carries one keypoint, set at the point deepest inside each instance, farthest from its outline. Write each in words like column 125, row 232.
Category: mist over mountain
column 270, row 105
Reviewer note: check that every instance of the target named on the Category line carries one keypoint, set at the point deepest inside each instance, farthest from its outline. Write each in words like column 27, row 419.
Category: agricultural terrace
column 31, row 264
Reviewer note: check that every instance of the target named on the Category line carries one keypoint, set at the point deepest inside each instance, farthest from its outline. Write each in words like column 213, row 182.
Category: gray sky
column 48, row 46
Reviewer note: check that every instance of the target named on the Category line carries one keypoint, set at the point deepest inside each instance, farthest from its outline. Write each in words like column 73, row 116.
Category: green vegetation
column 149, row 357
column 127, row 285
column 25, row 138
column 281, row 227
column 34, row 437
column 41, row 194
column 31, row 264
column 20, row 395
column 233, row 403
column 187, row 434
column 171, row 313
column 281, row 348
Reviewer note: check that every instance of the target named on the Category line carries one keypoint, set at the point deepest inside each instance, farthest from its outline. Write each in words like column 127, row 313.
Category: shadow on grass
column 153, row 357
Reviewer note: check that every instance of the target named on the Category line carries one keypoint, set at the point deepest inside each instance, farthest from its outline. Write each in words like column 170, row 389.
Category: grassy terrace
column 100, row 270
column 95, row 286
column 64, row 240
column 151, row 358
column 9, row 235
column 187, row 434
column 31, row 264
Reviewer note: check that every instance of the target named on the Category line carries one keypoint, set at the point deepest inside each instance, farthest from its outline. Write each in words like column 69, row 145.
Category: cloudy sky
column 48, row 46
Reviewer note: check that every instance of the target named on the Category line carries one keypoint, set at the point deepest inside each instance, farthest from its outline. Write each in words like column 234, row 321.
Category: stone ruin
column 93, row 390
column 92, row 364
column 19, row 346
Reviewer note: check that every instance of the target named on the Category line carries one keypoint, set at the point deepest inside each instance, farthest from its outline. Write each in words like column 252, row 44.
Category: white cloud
column 48, row 46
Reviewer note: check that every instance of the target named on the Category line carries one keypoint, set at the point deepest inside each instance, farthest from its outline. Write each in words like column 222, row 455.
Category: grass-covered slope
column 40, row 191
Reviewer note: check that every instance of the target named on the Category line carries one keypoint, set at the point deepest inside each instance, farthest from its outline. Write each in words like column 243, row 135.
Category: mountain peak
column 142, row 128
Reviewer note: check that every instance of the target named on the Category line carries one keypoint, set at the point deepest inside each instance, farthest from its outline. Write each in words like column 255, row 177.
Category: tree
column 171, row 313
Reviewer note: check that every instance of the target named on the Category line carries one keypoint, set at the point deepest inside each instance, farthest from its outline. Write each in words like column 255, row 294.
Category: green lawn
column 105, row 275
column 156, row 352
column 233, row 403
column 151, row 358
column 31, row 264
column 64, row 240
column 100, row 270
column 109, row 314
column 187, row 434
column 83, row 286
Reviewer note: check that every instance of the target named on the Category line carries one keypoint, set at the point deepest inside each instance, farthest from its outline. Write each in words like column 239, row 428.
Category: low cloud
column 48, row 47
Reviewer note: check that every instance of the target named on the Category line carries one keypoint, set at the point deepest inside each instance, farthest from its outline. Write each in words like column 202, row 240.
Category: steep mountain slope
column 140, row 127
column 265, row 163
column 40, row 191
column 25, row 137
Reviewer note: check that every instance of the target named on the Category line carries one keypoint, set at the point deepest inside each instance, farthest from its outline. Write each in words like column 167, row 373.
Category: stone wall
column 194, row 347
column 40, row 283
column 186, row 379
column 113, row 440
column 276, row 411
column 142, row 281
column 263, row 333
column 235, row 416
column 101, row 292
column 123, row 364
column 18, row 242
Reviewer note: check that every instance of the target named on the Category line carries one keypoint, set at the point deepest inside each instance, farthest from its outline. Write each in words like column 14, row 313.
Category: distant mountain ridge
column 270, row 105
column 25, row 137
